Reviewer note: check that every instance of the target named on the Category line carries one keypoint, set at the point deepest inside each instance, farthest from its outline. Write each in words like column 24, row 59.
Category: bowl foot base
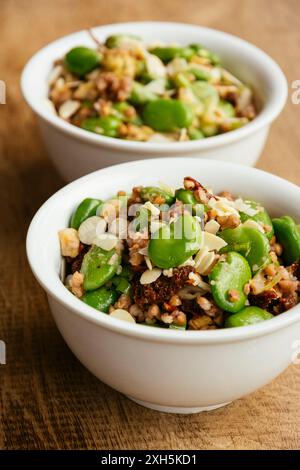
column 177, row 409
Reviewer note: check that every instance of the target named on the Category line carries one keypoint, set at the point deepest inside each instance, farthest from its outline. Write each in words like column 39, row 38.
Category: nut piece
column 69, row 242
column 76, row 284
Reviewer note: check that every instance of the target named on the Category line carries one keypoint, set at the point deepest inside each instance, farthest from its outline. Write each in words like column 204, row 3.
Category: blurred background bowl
column 76, row 152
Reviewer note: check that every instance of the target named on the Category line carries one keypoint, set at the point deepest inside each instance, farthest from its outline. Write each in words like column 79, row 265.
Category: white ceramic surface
column 180, row 371
column 75, row 151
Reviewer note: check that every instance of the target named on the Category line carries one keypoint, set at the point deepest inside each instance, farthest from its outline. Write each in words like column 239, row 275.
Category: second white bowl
column 76, row 152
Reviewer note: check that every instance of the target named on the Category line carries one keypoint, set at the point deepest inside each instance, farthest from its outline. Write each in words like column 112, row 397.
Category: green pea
column 230, row 274
column 166, row 54
column 106, row 125
column 82, row 60
column 247, row 316
column 100, row 299
column 87, row 208
column 262, row 217
column 288, row 235
column 195, row 134
column 166, row 115
column 209, row 130
column 173, row 244
column 250, row 242
column 141, row 95
column 150, row 193
column 98, row 267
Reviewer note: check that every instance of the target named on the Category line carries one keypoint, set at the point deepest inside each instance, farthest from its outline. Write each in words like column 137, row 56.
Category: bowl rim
column 269, row 112
column 59, row 292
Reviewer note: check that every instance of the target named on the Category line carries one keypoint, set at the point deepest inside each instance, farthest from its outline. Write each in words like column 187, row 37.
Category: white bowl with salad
column 223, row 328
column 128, row 91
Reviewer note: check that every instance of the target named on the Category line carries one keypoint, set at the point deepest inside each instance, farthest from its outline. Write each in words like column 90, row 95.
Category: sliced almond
column 148, row 263
column 106, row 241
column 119, row 227
column 241, row 206
column 152, row 208
column 122, row 315
column 212, row 242
column 54, row 74
column 90, row 229
column 68, row 108
column 150, row 275
column 253, row 224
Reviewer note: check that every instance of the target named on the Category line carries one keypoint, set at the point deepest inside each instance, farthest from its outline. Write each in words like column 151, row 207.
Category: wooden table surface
column 48, row 400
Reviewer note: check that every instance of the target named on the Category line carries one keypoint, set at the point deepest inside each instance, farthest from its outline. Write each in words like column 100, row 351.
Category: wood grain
column 48, row 400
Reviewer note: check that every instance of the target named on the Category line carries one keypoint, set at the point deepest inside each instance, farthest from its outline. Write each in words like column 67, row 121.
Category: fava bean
column 98, row 267
column 250, row 242
column 87, row 208
column 166, row 115
column 106, row 125
column 141, row 95
column 151, row 193
column 288, row 235
column 228, row 279
column 195, row 134
column 100, row 299
column 262, row 217
column 166, row 54
column 247, row 316
column 173, row 244
column 122, row 40
column 82, row 60
column 188, row 198
column 121, row 284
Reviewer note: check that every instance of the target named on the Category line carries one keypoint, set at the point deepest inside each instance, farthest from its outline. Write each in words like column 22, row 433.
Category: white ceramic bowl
column 175, row 371
column 76, row 152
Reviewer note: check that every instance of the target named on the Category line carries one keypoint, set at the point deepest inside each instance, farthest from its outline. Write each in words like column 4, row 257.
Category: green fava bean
column 166, row 115
column 106, row 125
column 247, row 316
column 150, row 193
column 262, row 217
column 82, row 60
column 98, row 267
column 195, row 134
column 230, row 274
column 141, row 95
column 188, row 198
column 250, row 242
column 121, row 284
column 288, row 235
column 122, row 40
column 100, row 299
column 185, row 196
column 166, row 54
column 87, row 208
column 173, row 244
